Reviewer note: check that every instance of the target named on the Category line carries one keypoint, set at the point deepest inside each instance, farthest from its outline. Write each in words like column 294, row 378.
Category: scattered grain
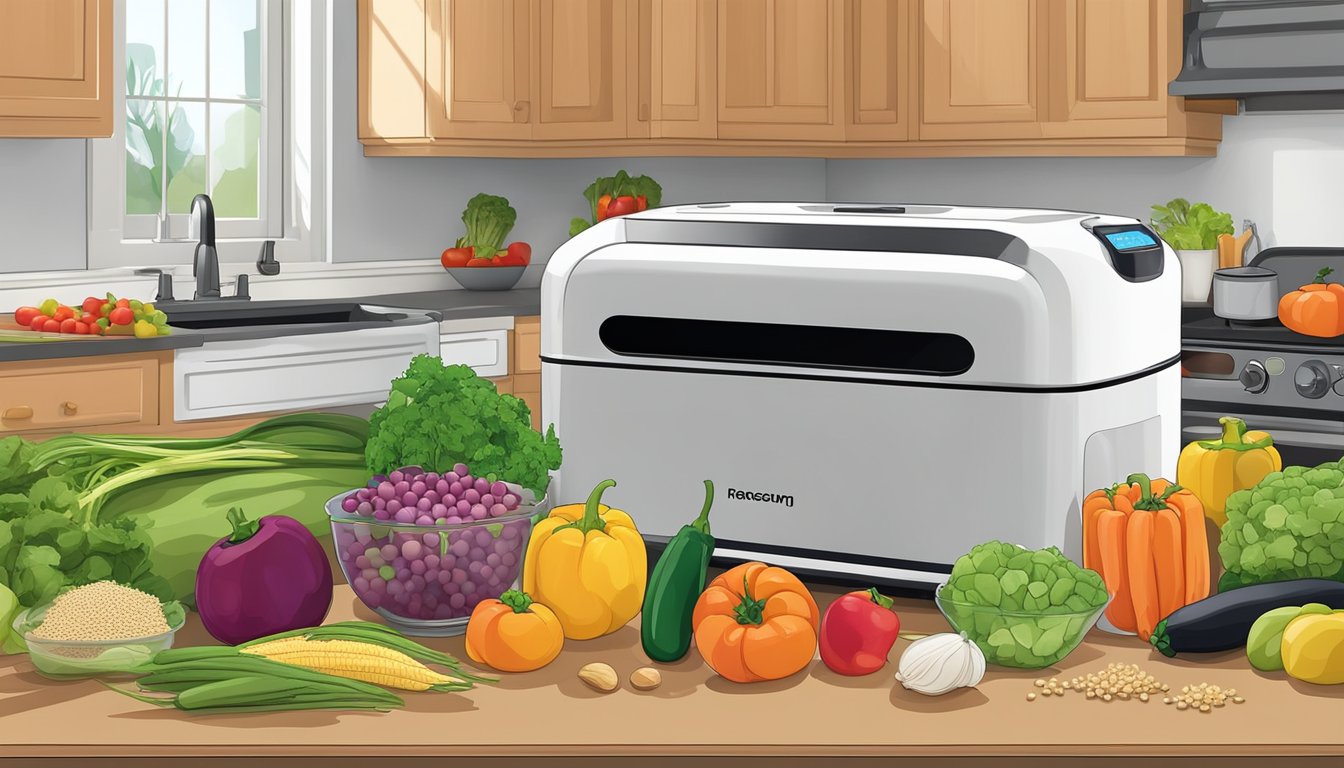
column 1031, row 697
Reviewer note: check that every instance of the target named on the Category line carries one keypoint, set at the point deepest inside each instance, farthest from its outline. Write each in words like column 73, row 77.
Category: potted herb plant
column 1192, row 231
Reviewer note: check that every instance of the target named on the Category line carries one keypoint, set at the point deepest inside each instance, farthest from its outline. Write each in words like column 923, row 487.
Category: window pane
column 185, row 160
column 186, row 47
column 144, row 47
column 144, row 153
column 235, row 50
column 235, row 136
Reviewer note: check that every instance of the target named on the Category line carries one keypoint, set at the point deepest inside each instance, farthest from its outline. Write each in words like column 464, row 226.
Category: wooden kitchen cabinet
column 781, row 69
column 983, row 74
column 822, row 78
column 678, row 70
column 56, row 395
column 56, row 68
column 480, row 75
column 879, row 45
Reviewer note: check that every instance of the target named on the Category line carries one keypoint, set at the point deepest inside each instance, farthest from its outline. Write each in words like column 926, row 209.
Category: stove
column 1275, row 379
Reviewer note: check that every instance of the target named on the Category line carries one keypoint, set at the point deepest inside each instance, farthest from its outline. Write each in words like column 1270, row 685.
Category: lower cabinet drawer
column 59, row 395
column 487, row 352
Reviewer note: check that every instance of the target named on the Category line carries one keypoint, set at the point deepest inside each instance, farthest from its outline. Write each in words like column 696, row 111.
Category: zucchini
column 1223, row 621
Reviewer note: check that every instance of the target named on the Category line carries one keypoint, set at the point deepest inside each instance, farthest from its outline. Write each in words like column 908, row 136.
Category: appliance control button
column 1254, row 378
column 1313, row 379
column 1275, row 365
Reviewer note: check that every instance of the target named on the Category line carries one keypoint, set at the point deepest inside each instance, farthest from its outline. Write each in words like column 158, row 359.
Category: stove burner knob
column 1254, row 377
column 1313, row 379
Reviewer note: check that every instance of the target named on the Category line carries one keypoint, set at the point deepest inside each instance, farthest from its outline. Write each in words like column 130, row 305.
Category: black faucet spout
column 205, row 265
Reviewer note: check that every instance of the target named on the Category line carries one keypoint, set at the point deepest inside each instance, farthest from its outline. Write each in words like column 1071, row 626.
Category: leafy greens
column 622, row 184
column 437, row 416
column 1188, row 227
column 489, row 219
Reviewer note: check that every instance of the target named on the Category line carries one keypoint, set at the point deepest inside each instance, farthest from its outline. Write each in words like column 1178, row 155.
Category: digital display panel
column 1130, row 240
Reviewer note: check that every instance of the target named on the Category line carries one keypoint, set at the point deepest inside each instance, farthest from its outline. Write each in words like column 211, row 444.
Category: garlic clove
column 940, row 663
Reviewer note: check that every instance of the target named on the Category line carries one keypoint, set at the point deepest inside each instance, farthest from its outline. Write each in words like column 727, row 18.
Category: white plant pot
column 1197, row 269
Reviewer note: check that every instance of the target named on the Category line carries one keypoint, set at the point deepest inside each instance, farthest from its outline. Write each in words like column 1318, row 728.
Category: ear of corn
column 378, row 634
column 363, row 661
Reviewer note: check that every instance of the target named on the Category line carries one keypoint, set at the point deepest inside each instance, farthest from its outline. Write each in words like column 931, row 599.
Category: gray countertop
column 451, row 305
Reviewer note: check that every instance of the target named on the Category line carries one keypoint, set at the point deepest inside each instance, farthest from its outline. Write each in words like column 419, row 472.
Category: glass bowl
column 424, row 580
column 63, row 659
column 1020, row 639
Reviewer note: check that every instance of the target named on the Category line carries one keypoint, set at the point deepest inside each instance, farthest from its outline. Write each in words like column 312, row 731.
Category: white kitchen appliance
column 872, row 389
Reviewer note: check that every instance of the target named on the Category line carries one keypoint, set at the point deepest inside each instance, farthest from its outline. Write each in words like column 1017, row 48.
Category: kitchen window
column 202, row 107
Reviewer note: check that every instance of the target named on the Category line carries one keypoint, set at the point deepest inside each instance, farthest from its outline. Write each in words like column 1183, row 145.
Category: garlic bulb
column 937, row 664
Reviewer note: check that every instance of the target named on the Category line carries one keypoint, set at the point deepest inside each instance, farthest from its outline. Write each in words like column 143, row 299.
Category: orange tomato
column 1315, row 309
column 756, row 622
column 514, row 634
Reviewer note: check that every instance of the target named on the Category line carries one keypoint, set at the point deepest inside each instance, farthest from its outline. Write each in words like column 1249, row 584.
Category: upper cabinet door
column 982, row 66
column 679, row 83
column 479, row 72
column 781, row 69
column 56, row 68
column 1110, row 61
column 581, row 69
column 879, row 46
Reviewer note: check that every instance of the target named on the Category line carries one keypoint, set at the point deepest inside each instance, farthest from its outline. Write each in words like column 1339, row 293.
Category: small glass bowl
column 65, row 659
column 425, row 580
column 1006, row 637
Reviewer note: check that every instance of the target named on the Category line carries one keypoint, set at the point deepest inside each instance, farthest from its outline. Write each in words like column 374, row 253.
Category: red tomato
column 88, row 319
column 95, row 329
column 521, row 250
column 121, row 316
column 479, row 263
column 857, row 632
column 123, row 303
column 81, row 328
column 497, row 260
column 68, row 325
column 63, row 313
column 456, row 257
column 621, row 206
column 25, row 315
column 39, row 322
column 512, row 260
column 50, row 326
column 641, row 203
column 92, row 305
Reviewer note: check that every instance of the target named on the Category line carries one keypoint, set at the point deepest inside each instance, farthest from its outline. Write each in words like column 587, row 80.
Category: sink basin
column 211, row 315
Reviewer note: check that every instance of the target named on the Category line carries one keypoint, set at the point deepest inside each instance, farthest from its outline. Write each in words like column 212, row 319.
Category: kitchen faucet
column 206, row 264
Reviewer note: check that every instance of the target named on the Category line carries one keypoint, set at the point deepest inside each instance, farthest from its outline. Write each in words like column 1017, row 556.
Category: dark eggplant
column 1223, row 621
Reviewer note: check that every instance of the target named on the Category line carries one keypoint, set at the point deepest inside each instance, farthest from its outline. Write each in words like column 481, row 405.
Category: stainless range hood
column 1273, row 54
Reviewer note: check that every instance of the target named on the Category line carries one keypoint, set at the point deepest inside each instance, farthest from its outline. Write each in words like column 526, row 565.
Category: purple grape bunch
column 428, row 574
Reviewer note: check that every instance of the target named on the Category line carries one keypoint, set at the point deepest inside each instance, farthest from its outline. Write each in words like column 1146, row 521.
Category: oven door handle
column 1324, row 441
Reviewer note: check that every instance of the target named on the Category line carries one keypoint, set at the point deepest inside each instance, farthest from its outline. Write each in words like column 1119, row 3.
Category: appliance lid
column 1273, row 54
column 1246, row 273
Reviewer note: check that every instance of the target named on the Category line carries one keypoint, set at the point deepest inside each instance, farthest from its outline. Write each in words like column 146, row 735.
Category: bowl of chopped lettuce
column 1023, row 608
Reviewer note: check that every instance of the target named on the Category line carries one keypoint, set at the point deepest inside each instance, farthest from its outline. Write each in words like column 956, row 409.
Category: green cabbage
column 1290, row 526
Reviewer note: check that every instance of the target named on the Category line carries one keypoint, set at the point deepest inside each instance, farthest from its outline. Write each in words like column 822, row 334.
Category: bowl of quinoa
column 103, row 628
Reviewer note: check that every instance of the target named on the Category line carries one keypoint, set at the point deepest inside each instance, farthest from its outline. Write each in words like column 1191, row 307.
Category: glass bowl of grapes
column 421, row 549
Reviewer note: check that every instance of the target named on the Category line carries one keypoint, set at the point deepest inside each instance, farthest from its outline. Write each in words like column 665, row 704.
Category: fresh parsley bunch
column 1188, row 227
column 437, row 416
column 48, row 542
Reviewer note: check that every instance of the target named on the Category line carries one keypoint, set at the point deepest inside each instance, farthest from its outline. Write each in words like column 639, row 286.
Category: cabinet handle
column 643, row 112
column 18, row 412
column 70, row 407
column 520, row 109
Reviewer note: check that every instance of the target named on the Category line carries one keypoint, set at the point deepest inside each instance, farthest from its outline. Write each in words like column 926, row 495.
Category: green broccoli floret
column 1287, row 527
column 489, row 219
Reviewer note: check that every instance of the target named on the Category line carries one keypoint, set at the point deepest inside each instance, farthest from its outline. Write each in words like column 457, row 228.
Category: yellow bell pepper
column 587, row 563
column 1215, row 469
column 1313, row 648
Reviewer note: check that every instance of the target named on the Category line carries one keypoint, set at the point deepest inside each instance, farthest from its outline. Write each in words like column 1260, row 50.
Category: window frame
column 294, row 51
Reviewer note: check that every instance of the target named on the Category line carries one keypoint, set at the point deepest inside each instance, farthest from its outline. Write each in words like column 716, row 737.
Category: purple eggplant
column 270, row 575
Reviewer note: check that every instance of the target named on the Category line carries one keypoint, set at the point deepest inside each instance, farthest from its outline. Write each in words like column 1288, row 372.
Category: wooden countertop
column 812, row 716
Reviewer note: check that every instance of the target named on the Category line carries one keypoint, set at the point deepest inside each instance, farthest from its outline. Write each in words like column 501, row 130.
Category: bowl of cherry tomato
column 499, row 271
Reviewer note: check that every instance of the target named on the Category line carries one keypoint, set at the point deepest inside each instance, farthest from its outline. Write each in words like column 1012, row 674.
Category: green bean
column 245, row 664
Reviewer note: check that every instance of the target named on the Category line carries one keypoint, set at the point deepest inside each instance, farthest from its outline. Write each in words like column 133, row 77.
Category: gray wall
column 411, row 207
column 1276, row 169
column 42, row 224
